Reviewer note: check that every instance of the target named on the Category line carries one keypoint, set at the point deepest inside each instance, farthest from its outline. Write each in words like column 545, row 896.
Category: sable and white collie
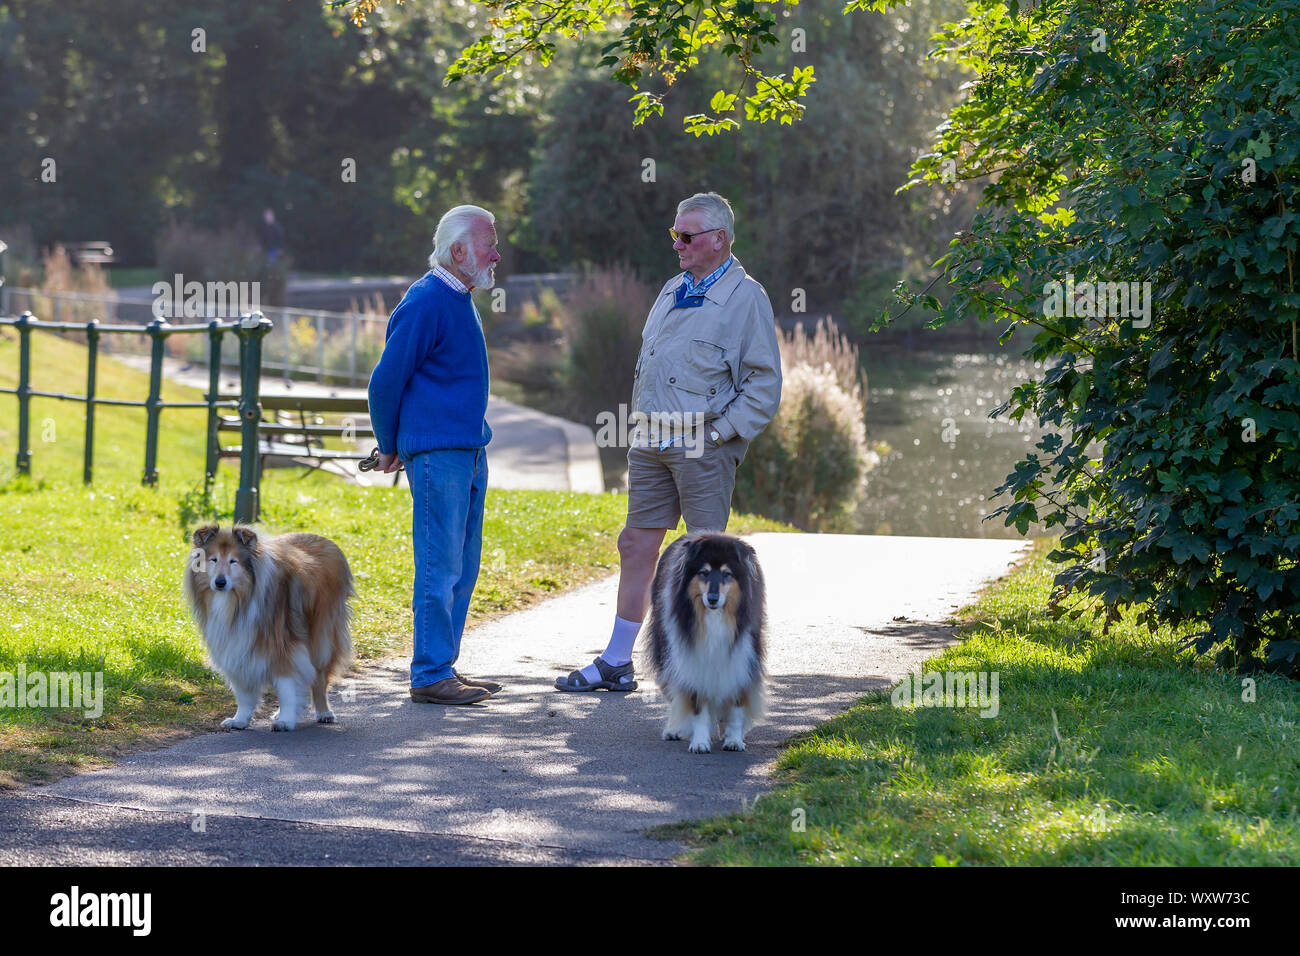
column 707, row 619
column 274, row 613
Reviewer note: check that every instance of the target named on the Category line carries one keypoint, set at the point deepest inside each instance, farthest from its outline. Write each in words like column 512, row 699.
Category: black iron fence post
column 214, row 386
column 24, row 390
column 4, row 293
column 252, row 328
column 153, row 406
column 92, row 356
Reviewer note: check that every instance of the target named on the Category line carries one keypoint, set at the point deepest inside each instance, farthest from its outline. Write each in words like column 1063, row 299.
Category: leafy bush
column 808, row 466
column 604, row 314
column 1156, row 143
column 827, row 347
column 228, row 254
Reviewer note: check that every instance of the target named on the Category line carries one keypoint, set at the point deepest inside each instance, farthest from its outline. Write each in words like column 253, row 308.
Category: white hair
column 456, row 226
column 717, row 212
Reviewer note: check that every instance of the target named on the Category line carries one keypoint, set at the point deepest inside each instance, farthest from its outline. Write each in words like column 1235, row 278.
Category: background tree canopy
column 144, row 128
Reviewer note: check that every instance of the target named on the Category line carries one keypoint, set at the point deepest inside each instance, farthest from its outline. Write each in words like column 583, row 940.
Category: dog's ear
column 694, row 548
column 672, row 563
column 203, row 535
column 749, row 558
column 245, row 536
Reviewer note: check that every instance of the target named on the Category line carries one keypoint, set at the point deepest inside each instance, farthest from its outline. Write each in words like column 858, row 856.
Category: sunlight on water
column 947, row 456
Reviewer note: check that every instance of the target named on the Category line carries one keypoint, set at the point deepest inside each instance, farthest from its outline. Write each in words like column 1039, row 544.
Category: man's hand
column 388, row 463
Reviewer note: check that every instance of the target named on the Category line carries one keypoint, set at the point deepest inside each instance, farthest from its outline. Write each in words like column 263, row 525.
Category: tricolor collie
column 274, row 613
column 706, row 638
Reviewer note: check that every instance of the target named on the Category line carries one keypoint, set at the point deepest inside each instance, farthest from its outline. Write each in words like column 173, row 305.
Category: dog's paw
column 325, row 717
column 282, row 723
column 733, row 745
column 699, row 747
column 669, row 735
column 231, row 723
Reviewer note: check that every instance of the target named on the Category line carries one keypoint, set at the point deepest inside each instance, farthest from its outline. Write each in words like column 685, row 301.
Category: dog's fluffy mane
column 297, row 594
column 673, row 605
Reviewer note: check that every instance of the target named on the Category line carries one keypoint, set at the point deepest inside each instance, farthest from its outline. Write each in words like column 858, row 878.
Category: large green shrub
column 807, row 467
column 1146, row 142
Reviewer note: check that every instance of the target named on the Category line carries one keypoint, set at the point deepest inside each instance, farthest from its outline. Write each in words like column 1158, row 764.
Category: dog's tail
column 333, row 588
column 342, row 622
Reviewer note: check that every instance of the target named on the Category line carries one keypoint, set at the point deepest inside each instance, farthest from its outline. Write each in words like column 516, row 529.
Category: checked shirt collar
column 450, row 279
column 690, row 296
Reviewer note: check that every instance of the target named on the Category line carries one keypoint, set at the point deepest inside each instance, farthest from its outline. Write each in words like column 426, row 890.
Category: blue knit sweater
column 430, row 388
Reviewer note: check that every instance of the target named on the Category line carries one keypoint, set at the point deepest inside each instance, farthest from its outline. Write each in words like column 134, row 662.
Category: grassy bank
column 1113, row 749
column 90, row 577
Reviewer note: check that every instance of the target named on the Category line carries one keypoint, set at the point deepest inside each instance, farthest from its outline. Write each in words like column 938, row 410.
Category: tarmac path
column 532, row 775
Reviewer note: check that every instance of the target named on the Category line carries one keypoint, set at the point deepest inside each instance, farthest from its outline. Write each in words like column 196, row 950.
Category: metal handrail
column 351, row 321
column 250, row 330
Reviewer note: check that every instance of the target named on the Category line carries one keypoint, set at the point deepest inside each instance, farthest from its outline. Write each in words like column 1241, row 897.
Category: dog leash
column 371, row 461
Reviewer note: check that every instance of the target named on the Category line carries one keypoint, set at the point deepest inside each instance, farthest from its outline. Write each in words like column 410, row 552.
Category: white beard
column 478, row 278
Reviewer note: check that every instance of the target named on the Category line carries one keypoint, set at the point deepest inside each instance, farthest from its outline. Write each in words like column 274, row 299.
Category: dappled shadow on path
column 532, row 766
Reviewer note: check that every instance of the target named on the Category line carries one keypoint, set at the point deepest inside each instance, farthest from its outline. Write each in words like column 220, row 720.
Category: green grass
column 58, row 428
column 90, row 577
column 121, row 278
column 1114, row 749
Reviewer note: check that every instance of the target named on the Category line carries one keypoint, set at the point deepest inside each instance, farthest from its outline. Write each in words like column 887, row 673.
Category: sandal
column 621, row 678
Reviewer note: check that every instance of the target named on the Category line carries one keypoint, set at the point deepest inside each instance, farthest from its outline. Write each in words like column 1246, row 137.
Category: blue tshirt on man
column 429, row 390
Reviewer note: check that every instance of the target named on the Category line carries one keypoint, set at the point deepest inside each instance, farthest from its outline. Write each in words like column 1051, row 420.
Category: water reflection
column 947, row 455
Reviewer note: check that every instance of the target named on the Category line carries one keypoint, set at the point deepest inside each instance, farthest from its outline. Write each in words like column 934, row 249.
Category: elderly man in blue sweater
column 428, row 401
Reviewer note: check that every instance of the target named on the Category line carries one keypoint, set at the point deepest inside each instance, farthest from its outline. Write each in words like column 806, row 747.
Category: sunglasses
column 686, row 237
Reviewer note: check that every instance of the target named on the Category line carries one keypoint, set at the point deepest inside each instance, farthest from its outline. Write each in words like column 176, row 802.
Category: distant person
column 428, row 406
column 709, row 354
column 271, row 234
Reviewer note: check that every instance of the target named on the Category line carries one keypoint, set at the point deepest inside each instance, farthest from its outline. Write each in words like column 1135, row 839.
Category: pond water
column 947, row 456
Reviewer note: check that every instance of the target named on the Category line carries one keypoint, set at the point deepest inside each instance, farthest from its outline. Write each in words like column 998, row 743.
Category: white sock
column 621, row 642
column 619, row 651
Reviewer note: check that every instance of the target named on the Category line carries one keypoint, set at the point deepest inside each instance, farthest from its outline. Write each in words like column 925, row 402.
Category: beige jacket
column 720, row 359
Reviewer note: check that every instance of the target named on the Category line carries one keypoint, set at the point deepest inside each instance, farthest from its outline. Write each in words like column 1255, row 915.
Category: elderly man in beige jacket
column 708, row 380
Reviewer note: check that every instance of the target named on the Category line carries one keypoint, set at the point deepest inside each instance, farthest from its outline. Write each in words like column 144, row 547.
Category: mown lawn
column 90, row 577
column 1114, row 749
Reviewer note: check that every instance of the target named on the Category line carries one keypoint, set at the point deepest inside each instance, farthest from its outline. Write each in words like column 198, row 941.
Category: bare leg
column 638, row 553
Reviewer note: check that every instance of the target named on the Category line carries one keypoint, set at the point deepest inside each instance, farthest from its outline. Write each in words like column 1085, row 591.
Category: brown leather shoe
column 490, row 686
column 449, row 690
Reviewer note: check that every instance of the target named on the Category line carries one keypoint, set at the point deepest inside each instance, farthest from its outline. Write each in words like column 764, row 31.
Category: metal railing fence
column 250, row 329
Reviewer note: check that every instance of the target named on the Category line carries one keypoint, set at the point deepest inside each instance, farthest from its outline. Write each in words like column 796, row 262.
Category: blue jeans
column 447, row 492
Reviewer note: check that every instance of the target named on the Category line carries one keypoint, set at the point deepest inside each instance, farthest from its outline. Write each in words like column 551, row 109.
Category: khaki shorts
column 664, row 485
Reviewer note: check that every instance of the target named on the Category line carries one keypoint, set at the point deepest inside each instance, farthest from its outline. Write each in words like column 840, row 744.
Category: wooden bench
column 292, row 427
